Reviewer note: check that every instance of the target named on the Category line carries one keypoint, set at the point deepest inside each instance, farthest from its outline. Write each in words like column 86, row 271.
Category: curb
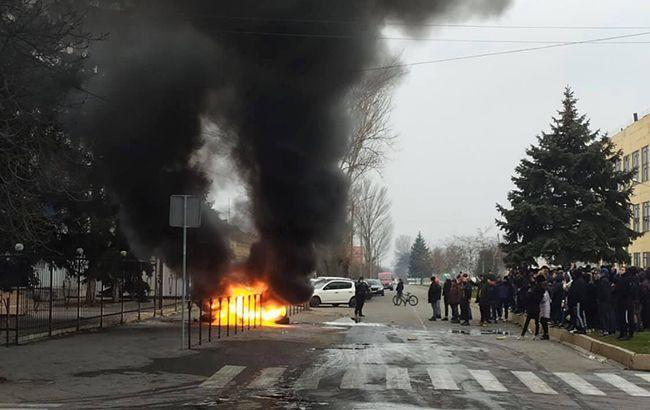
column 628, row 358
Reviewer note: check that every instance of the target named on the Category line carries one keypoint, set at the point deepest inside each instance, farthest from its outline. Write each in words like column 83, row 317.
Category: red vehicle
column 387, row 279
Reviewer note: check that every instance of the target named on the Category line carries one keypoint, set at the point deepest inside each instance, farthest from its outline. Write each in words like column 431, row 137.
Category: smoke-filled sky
column 275, row 105
column 465, row 125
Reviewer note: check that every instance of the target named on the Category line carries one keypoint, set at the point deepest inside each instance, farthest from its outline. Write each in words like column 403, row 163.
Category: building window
column 637, row 259
column 635, row 218
column 646, row 259
column 635, row 165
column 626, row 163
column 644, row 164
column 646, row 216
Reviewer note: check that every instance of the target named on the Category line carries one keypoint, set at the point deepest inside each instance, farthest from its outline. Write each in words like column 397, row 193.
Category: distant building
column 634, row 141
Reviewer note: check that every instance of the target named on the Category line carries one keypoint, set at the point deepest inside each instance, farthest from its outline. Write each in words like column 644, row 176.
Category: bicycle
column 406, row 298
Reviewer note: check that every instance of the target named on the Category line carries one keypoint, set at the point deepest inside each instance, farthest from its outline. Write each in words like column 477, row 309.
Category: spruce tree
column 570, row 202
column 420, row 258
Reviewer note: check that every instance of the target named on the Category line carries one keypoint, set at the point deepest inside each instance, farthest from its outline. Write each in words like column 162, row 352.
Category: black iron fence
column 225, row 316
column 39, row 300
column 42, row 299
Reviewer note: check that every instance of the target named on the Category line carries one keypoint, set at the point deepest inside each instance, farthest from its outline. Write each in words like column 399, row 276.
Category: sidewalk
column 629, row 359
column 142, row 358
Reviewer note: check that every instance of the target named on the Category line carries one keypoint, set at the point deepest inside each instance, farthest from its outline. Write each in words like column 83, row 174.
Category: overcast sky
column 463, row 126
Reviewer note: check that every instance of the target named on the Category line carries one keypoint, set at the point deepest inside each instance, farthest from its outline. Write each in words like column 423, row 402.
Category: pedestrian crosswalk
column 444, row 378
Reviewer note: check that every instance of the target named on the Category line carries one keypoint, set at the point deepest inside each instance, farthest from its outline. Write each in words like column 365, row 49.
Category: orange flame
column 245, row 305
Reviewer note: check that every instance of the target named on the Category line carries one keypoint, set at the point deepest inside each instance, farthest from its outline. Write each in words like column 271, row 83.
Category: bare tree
column 370, row 105
column 373, row 222
column 372, row 138
column 473, row 253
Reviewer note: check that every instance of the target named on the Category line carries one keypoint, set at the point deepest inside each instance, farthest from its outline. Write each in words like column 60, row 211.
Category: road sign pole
column 184, row 271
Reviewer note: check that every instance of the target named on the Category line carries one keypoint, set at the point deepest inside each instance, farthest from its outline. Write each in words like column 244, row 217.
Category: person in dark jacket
column 504, row 294
column 604, row 301
column 446, row 289
column 493, row 298
column 626, row 288
column 591, row 305
column 557, row 297
column 577, row 296
column 645, row 300
column 434, row 298
column 466, row 297
column 361, row 289
column 400, row 287
column 455, row 296
column 532, row 301
column 483, row 300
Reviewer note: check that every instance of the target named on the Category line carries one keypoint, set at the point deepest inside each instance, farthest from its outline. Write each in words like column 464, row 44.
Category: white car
column 333, row 292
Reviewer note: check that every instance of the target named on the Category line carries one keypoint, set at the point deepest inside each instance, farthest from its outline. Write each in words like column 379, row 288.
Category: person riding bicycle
column 400, row 287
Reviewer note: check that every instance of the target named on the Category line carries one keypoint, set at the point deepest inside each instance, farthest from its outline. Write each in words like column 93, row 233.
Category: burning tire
column 314, row 302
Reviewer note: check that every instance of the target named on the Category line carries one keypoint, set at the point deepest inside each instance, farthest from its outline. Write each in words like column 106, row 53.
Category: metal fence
column 46, row 300
column 225, row 316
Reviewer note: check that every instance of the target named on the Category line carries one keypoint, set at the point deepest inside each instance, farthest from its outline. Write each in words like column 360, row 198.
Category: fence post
column 122, row 295
column 189, row 324
column 7, row 322
column 17, row 309
column 200, row 321
column 219, row 323
column 210, row 323
column 138, row 307
column 228, row 317
column 261, row 310
column 236, row 308
column 78, row 295
column 49, row 315
column 101, row 306
column 254, row 311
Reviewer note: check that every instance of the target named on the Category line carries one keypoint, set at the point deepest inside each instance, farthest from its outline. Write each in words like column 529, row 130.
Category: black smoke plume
column 273, row 76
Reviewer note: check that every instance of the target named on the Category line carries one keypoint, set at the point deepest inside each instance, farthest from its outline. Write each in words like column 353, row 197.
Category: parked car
column 376, row 287
column 333, row 292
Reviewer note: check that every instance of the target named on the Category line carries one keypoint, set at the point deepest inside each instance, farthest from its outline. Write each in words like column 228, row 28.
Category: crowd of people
column 580, row 299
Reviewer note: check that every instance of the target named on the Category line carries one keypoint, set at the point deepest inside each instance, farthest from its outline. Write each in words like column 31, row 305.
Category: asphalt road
column 394, row 359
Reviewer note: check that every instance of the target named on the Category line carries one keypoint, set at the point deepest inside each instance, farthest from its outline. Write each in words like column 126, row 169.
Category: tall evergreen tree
column 571, row 203
column 420, row 258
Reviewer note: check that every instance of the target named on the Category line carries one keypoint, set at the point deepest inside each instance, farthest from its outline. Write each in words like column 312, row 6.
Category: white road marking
column 222, row 377
column 441, row 378
column 267, row 378
column 628, row 387
column 356, row 377
column 397, row 378
column 309, row 379
column 580, row 384
column 644, row 376
column 487, row 380
column 534, row 383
